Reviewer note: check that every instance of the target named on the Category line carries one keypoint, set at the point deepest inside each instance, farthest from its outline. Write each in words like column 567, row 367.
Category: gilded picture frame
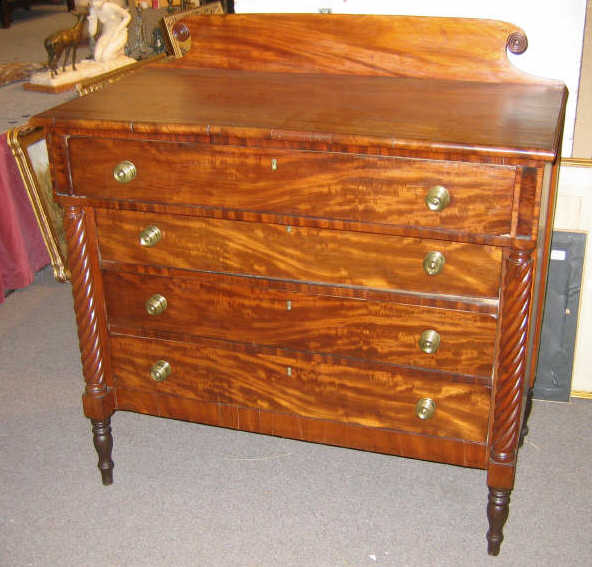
column 30, row 152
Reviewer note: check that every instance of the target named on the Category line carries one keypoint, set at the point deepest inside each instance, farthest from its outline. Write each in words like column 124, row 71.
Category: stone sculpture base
column 66, row 80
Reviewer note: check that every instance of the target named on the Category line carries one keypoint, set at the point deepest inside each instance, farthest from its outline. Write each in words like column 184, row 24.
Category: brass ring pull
column 124, row 172
column 437, row 198
column 425, row 408
column 429, row 341
column 160, row 371
column 150, row 236
column 433, row 263
column 156, row 305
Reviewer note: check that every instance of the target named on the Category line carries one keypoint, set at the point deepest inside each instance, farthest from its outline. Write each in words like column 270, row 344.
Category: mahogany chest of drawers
column 329, row 228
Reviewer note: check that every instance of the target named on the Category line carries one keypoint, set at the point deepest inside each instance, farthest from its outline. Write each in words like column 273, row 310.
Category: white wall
column 574, row 204
column 554, row 29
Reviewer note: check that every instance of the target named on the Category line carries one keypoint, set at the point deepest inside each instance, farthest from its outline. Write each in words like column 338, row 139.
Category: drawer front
column 359, row 188
column 300, row 253
column 238, row 309
column 306, row 386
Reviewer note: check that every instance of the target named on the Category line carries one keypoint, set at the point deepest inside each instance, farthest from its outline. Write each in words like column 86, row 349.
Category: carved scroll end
column 517, row 42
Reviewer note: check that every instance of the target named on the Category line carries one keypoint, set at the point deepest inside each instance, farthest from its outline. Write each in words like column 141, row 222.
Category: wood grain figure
column 347, row 327
column 300, row 253
column 300, row 183
column 313, row 386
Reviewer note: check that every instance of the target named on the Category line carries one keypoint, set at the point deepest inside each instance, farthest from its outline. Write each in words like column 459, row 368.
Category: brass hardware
column 429, row 341
column 433, row 262
column 289, row 370
column 160, row 371
column 156, row 305
column 425, row 408
column 124, row 172
column 274, row 164
column 289, row 305
column 437, row 198
column 150, row 236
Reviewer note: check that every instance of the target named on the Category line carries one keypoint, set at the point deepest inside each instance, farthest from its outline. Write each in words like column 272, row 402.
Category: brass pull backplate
column 429, row 341
column 150, row 236
column 124, row 172
column 156, row 305
column 433, row 263
column 437, row 198
column 160, row 371
column 425, row 408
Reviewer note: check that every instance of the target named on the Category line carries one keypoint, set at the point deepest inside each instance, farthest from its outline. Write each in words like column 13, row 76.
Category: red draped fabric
column 22, row 250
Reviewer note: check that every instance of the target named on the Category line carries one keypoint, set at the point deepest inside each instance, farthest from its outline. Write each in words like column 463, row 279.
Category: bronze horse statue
column 67, row 40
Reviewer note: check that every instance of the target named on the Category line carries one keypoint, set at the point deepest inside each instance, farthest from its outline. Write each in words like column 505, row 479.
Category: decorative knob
column 274, row 164
column 433, row 263
column 517, row 42
column 160, row 371
column 425, row 408
column 156, row 305
column 429, row 341
column 124, row 172
column 437, row 198
column 181, row 32
column 150, row 236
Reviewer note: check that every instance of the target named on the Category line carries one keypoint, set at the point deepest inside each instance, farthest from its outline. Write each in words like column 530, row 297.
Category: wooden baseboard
column 576, row 162
column 581, row 394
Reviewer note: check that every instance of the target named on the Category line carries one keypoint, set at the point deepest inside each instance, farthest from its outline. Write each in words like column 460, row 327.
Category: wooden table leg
column 103, row 441
column 498, row 507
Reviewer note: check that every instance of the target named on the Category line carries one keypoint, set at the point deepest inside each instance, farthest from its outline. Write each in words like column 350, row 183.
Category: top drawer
column 371, row 189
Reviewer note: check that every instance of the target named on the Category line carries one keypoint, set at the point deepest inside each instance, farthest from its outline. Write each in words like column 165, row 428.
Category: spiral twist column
column 91, row 350
column 97, row 398
column 512, row 367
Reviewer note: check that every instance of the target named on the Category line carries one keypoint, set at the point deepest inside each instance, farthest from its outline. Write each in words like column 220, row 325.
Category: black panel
column 556, row 354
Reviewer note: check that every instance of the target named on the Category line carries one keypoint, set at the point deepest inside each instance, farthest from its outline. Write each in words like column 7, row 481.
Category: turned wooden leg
column 527, row 410
column 498, row 507
column 103, row 441
column 509, row 390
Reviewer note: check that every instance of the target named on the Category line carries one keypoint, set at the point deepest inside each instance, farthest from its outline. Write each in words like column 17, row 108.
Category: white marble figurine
column 114, row 21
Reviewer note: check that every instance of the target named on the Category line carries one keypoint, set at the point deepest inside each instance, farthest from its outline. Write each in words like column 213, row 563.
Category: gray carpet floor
column 188, row 495
column 191, row 495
